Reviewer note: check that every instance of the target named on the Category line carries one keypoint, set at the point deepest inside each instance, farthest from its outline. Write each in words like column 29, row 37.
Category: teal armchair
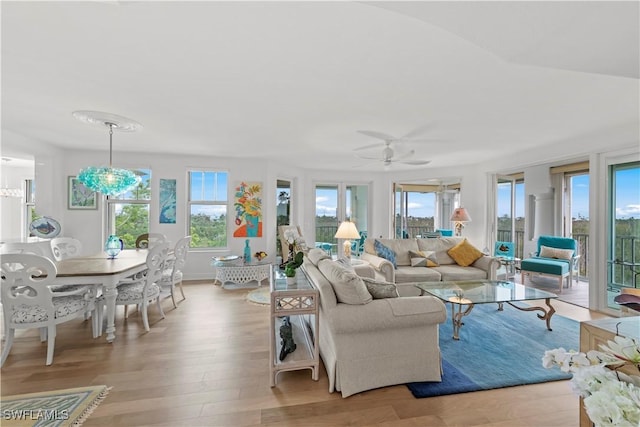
column 555, row 257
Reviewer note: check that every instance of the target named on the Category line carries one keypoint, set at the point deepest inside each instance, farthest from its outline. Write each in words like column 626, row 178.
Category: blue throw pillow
column 385, row 252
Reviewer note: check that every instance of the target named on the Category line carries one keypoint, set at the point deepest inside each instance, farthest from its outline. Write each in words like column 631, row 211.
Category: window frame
column 205, row 202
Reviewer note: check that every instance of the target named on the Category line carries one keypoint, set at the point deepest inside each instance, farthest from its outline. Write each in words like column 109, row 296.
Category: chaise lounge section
column 368, row 343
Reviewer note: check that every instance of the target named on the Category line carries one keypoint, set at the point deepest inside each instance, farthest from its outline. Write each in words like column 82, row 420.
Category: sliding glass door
column 624, row 228
column 336, row 203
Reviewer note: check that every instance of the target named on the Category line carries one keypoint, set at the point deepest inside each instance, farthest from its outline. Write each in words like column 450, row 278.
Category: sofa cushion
column 464, row 253
column 454, row 272
column 416, row 274
column 440, row 246
column 385, row 252
column 315, row 255
column 423, row 259
column 557, row 253
column 400, row 247
column 380, row 289
column 346, row 263
column 347, row 285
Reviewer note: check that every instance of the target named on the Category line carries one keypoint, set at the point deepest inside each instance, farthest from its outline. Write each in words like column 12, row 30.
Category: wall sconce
column 347, row 230
column 459, row 217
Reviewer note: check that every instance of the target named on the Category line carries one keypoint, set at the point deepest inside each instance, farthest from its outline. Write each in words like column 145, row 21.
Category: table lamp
column 459, row 217
column 347, row 230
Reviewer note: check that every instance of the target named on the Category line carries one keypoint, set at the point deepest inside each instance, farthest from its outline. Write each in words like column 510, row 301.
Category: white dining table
column 102, row 271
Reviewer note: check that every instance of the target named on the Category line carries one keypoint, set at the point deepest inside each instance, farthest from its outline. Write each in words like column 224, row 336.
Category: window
column 624, row 232
column 336, row 203
column 30, row 205
column 510, row 210
column 208, row 202
column 423, row 208
column 128, row 213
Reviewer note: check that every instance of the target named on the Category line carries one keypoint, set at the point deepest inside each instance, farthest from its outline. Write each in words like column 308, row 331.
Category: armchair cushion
column 464, row 253
column 545, row 265
column 548, row 252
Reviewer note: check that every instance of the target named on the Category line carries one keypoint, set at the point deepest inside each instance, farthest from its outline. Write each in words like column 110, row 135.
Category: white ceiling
column 296, row 80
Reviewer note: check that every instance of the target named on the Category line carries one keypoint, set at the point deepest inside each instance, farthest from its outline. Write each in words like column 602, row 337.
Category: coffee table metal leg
column 547, row 313
column 456, row 318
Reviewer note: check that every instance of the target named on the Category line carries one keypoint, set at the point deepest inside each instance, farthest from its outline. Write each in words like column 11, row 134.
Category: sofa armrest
column 383, row 266
column 489, row 264
column 391, row 313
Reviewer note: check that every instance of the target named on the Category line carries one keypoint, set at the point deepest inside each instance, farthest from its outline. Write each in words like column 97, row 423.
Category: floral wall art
column 248, row 209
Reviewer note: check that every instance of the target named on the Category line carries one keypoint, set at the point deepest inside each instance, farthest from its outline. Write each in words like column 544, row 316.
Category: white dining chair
column 141, row 290
column 65, row 248
column 28, row 301
column 148, row 240
column 172, row 272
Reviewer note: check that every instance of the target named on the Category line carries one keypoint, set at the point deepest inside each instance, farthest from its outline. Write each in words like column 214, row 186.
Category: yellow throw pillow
column 464, row 253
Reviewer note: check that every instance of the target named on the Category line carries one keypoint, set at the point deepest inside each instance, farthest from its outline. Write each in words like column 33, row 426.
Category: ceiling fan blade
column 418, row 131
column 416, row 162
column 405, row 155
column 366, row 147
column 403, row 139
column 379, row 135
column 368, row 157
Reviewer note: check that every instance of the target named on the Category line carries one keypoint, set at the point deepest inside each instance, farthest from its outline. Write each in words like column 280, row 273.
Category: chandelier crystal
column 109, row 181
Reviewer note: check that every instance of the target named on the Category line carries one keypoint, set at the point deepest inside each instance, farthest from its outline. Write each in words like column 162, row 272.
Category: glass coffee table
column 471, row 292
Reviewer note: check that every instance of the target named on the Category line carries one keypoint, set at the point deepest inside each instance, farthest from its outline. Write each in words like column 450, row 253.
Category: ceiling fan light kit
column 388, row 157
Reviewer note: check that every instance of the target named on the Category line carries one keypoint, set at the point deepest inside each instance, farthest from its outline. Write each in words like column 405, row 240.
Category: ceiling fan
column 388, row 157
column 389, row 139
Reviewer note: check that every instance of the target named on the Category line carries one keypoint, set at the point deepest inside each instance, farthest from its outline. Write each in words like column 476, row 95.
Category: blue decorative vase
column 247, row 252
column 113, row 246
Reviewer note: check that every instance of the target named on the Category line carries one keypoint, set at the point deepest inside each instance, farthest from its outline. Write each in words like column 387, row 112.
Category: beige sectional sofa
column 405, row 276
column 371, row 343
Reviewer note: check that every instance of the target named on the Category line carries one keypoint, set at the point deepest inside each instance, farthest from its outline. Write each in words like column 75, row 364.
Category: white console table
column 240, row 274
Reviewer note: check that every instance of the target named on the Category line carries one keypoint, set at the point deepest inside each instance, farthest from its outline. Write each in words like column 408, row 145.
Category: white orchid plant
column 611, row 398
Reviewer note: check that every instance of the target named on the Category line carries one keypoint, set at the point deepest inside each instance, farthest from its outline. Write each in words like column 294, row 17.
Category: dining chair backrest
column 180, row 253
column 22, row 248
column 25, row 283
column 155, row 263
column 65, row 247
column 148, row 240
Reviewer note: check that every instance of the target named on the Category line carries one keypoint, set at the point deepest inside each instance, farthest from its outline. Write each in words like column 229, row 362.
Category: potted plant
column 291, row 266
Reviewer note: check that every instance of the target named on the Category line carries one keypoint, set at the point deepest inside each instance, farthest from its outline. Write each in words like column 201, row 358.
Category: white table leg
column 110, row 292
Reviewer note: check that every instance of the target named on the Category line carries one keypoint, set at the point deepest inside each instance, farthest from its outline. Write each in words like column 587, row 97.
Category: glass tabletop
column 280, row 283
column 482, row 291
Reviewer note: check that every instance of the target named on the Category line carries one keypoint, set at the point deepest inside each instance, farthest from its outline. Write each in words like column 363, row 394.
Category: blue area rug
column 498, row 349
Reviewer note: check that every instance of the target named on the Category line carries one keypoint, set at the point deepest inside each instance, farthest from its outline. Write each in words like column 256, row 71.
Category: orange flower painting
column 248, row 207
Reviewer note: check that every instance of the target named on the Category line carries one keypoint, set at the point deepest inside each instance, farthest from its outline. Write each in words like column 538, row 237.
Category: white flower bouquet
column 611, row 398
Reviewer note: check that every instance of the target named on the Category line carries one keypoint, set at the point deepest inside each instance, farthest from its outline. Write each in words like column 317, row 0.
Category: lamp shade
column 347, row 230
column 460, row 215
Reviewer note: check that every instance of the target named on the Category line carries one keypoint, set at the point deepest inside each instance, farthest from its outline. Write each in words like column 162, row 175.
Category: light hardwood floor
column 206, row 364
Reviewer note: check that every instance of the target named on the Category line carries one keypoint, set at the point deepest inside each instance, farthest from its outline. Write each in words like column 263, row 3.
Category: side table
column 240, row 274
column 510, row 264
column 300, row 303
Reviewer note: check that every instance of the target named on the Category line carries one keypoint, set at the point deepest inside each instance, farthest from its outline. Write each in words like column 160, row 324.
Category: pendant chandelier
column 109, row 181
